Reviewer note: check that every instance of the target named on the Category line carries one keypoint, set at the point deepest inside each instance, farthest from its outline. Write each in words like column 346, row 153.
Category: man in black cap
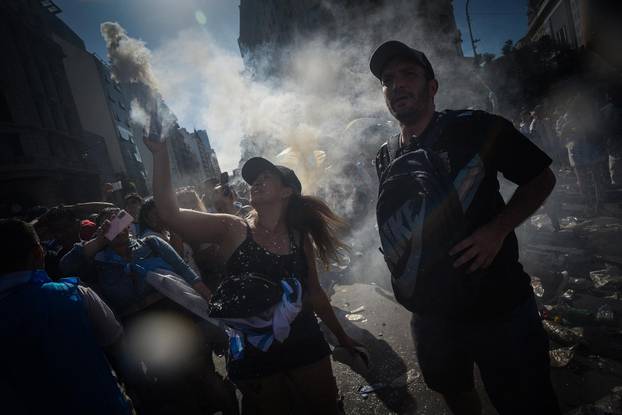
column 496, row 325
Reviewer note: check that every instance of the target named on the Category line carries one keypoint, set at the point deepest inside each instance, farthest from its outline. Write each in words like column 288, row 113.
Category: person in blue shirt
column 116, row 270
column 52, row 336
column 110, row 267
column 150, row 223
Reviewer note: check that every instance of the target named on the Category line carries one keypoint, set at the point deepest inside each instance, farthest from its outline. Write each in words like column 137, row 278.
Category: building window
column 125, row 134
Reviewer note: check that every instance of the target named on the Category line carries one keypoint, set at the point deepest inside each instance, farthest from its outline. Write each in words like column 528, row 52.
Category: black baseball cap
column 393, row 49
column 257, row 165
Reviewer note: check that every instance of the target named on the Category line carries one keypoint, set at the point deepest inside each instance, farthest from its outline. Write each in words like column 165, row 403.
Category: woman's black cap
column 257, row 165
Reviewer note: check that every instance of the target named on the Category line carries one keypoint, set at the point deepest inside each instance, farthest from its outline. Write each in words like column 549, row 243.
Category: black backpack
column 420, row 218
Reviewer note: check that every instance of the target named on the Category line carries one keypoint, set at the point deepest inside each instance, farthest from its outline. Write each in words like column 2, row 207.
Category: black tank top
column 305, row 344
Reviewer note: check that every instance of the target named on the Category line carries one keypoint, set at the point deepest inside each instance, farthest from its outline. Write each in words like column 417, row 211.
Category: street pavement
column 383, row 327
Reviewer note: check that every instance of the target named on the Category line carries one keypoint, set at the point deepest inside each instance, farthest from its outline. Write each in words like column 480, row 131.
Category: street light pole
column 473, row 41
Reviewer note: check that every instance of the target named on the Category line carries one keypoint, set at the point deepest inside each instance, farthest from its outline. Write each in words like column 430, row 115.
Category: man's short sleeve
column 513, row 154
column 105, row 326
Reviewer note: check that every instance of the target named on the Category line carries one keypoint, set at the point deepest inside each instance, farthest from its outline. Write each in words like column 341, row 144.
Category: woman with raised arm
column 281, row 239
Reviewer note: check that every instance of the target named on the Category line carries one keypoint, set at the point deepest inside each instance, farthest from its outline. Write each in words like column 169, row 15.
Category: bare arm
column 194, row 227
column 168, row 254
column 89, row 207
column 98, row 243
column 484, row 244
column 321, row 303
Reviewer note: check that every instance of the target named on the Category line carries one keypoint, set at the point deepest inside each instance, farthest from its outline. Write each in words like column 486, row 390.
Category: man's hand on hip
column 481, row 247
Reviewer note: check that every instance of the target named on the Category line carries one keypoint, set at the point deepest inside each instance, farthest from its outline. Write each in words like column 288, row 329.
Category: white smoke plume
column 302, row 113
column 209, row 87
column 139, row 115
column 130, row 62
column 130, row 58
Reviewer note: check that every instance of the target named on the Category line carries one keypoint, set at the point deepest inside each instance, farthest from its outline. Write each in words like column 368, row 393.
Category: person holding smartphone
column 105, row 262
column 111, row 263
column 282, row 238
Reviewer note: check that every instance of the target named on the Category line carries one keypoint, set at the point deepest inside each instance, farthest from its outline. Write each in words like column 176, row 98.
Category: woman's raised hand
column 155, row 146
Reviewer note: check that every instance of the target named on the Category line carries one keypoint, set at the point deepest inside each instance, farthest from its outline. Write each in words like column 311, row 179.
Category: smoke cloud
column 129, row 57
column 130, row 62
column 296, row 106
column 209, row 87
column 138, row 114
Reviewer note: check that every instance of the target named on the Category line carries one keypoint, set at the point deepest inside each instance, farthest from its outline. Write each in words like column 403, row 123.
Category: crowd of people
column 64, row 254
column 99, row 259
column 584, row 134
column 80, row 283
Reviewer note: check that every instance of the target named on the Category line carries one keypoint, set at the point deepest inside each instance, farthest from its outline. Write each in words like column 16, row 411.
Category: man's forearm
column 90, row 207
column 526, row 200
column 92, row 247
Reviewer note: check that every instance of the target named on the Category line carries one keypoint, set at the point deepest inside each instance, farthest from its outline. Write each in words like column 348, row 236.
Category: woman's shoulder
column 236, row 231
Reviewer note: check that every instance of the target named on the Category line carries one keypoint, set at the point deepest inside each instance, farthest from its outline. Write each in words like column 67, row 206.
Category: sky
column 155, row 21
column 493, row 22
column 197, row 66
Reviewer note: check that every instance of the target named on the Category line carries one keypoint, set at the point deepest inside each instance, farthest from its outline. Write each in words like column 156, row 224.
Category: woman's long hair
column 311, row 216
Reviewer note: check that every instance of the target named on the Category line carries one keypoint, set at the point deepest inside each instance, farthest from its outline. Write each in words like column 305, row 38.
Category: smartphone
column 117, row 186
column 224, row 183
column 118, row 224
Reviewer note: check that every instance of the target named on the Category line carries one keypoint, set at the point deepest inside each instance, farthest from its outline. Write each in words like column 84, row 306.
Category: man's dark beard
column 414, row 114
column 409, row 117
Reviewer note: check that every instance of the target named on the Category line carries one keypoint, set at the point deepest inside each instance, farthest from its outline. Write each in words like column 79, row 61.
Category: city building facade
column 45, row 156
column 278, row 24
column 104, row 109
column 272, row 31
column 565, row 21
column 592, row 27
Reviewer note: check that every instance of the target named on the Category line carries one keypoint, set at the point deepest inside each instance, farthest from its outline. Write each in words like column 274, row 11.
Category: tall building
column 562, row 20
column 103, row 107
column 46, row 158
column 275, row 25
column 192, row 158
column 579, row 24
column 273, row 31
column 209, row 161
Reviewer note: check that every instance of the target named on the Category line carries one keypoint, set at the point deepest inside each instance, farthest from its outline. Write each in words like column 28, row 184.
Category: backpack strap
column 387, row 154
column 388, row 151
column 436, row 130
column 393, row 144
